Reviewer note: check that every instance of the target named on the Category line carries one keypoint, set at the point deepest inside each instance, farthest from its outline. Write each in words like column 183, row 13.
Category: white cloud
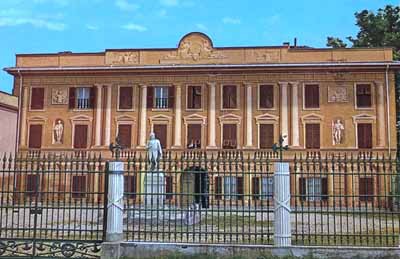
column 92, row 27
column 230, row 20
column 134, row 27
column 56, row 2
column 39, row 23
column 125, row 5
column 162, row 13
column 201, row 26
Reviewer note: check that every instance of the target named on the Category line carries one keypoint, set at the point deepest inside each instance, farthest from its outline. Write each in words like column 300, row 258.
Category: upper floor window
column 266, row 136
column 311, row 96
column 364, row 135
column 81, row 97
column 125, row 135
column 194, row 97
column 35, row 136
column 266, row 96
column 312, row 135
column 229, row 97
column 363, row 93
column 160, row 97
column 125, row 98
column 229, row 136
column 80, row 136
column 37, row 98
column 193, row 136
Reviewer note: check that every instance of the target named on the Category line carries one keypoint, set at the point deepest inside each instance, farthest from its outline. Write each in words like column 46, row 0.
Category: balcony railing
column 161, row 103
column 83, row 104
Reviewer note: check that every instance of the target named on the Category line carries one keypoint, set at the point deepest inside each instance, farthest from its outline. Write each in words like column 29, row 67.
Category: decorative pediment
column 160, row 118
column 194, row 47
column 230, row 117
column 37, row 118
column 195, row 118
column 81, row 117
column 312, row 117
column 266, row 117
column 125, row 118
column 363, row 117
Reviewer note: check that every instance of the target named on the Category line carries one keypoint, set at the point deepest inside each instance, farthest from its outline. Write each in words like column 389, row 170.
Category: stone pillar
column 283, row 234
column 284, row 112
column 143, row 117
column 115, row 205
column 211, row 117
column 98, row 115
column 249, row 116
column 107, row 132
column 23, row 133
column 178, row 117
column 295, row 114
column 380, row 112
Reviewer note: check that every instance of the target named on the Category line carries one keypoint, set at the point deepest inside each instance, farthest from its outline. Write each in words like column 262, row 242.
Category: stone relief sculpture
column 122, row 58
column 154, row 151
column 337, row 94
column 58, row 132
column 337, row 132
column 59, row 96
column 193, row 49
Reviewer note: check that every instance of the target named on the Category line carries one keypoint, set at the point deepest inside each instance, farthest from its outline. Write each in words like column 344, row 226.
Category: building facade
column 198, row 96
column 8, row 123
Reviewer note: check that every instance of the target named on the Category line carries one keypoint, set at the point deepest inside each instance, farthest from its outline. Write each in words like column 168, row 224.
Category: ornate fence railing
column 54, row 204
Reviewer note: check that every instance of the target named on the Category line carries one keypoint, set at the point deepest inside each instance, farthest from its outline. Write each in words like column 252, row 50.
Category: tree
column 380, row 29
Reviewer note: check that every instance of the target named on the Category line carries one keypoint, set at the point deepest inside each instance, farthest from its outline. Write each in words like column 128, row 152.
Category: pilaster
column 98, row 115
column 107, row 132
column 143, row 116
column 178, row 117
column 380, row 114
column 284, row 111
column 295, row 114
column 211, row 117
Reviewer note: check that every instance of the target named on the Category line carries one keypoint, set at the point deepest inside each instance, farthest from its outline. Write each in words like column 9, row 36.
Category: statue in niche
column 337, row 132
column 154, row 151
column 58, row 132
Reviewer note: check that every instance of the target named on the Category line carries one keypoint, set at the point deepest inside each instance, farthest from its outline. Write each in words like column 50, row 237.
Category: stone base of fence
column 115, row 250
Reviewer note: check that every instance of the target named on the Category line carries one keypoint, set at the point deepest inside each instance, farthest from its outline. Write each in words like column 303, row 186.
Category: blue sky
column 43, row 26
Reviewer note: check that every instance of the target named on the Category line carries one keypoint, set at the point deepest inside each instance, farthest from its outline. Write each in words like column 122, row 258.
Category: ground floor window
column 313, row 188
column 78, row 186
column 366, row 188
column 263, row 187
column 130, row 186
column 233, row 188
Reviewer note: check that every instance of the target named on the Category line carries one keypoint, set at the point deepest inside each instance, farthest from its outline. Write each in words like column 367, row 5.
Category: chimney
column 286, row 44
column 295, row 42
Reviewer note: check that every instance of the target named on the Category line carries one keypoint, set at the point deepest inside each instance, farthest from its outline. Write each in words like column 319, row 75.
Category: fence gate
column 52, row 206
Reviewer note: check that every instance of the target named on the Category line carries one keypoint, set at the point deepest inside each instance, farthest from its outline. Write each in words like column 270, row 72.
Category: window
column 230, row 187
column 266, row 96
column 125, row 133
column 363, row 93
column 312, row 136
column 311, row 96
column 32, row 184
column 37, row 98
column 80, row 136
column 267, row 187
column 160, row 97
column 82, row 97
column 35, row 136
column 193, row 136
column 266, row 135
column 229, row 135
column 169, row 187
column 229, row 97
column 130, row 186
column 160, row 130
column 218, row 187
column 78, row 186
column 313, row 189
column 194, row 97
column 255, row 185
column 364, row 135
column 125, row 98
column 366, row 188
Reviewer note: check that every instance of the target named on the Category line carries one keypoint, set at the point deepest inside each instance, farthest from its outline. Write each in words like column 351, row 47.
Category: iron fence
column 51, row 205
column 227, row 197
column 55, row 204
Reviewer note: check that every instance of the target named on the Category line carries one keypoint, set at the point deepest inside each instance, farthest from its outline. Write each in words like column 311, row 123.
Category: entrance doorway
column 195, row 187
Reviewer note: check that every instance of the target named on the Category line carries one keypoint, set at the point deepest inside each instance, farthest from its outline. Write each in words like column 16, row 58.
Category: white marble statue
column 154, row 151
column 58, row 132
column 337, row 132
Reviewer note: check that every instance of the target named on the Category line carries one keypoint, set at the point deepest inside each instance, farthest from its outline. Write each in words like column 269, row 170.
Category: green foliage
column 380, row 29
column 335, row 43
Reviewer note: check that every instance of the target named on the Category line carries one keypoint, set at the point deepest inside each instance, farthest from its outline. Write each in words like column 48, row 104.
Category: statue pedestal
column 154, row 189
